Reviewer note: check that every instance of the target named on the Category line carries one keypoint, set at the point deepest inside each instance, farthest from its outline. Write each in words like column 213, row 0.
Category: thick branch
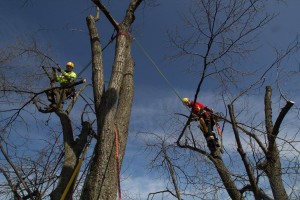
column 273, row 131
column 280, row 118
column 81, row 141
column 107, row 14
column 268, row 110
column 67, row 127
column 159, row 192
column 247, row 165
column 172, row 173
column 129, row 18
column 123, row 111
column 272, row 165
column 97, row 65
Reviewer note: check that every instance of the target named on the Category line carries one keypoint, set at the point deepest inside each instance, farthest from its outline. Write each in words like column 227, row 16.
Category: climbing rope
column 87, row 65
column 160, row 72
column 157, row 68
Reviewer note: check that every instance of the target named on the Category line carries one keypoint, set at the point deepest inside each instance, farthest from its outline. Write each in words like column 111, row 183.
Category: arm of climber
column 70, row 77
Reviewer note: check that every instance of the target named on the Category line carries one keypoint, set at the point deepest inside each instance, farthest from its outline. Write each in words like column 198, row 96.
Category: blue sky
column 61, row 24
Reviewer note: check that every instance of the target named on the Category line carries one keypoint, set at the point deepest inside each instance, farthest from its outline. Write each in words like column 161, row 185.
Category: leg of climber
column 209, row 136
column 212, row 124
column 70, row 93
column 212, row 133
column 51, row 99
column 204, row 128
column 211, row 143
column 217, row 142
column 203, row 125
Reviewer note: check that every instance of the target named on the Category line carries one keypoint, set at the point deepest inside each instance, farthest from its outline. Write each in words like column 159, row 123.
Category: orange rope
column 219, row 129
column 118, row 164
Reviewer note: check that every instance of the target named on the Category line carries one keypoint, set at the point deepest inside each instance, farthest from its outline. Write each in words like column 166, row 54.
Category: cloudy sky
column 61, row 24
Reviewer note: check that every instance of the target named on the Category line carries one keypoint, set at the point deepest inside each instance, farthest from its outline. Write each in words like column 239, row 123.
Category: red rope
column 118, row 164
column 126, row 34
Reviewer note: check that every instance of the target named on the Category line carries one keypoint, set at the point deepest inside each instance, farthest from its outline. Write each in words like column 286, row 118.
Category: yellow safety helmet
column 185, row 100
column 71, row 64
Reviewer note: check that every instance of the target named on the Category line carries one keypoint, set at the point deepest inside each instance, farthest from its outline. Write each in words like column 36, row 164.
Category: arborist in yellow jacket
column 66, row 79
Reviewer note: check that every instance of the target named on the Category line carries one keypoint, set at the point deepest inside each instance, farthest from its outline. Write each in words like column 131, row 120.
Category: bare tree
column 37, row 173
column 112, row 107
column 162, row 160
column 220, row 33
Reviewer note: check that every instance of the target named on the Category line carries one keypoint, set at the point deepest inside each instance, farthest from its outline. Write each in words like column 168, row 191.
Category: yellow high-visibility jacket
column 66, row 78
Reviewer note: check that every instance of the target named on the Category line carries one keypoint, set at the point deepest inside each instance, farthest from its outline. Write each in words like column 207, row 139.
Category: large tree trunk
column 240, row 149
column 72, row 151
column 114, row 114
column 113, row 106
column 273, row 171
column 229, row 184
column 272, row 165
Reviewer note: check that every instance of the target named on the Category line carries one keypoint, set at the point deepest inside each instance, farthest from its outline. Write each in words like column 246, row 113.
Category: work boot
column 211, row 145
column 218, row 143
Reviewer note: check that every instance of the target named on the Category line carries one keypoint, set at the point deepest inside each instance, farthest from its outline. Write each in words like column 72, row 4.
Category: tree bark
column 272, row 166
column 72, row 151
column 229, row 184
column 249, row 169
column 113, row 106
column 113, row 114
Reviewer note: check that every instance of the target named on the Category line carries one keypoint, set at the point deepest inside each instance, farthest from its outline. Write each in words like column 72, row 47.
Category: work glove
column 60, row 70
column 53, row 68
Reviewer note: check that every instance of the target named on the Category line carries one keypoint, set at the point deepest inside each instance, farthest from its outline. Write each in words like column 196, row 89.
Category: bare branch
column 107, row 14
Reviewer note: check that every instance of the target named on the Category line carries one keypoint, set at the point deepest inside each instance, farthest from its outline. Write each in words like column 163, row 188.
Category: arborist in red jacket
column 204, row 114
